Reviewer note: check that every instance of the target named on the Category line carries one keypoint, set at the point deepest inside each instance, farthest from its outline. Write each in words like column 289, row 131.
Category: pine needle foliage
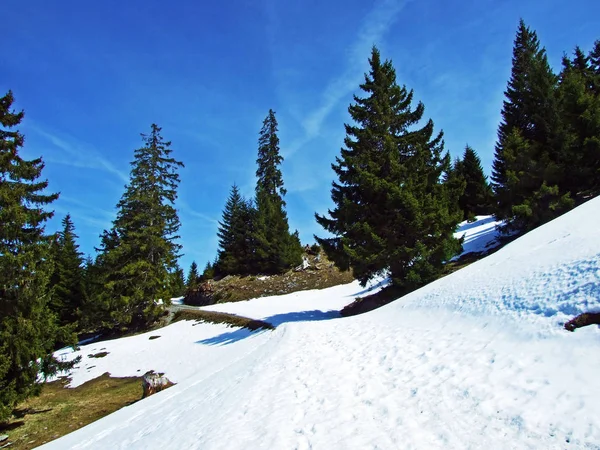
column 392, row 211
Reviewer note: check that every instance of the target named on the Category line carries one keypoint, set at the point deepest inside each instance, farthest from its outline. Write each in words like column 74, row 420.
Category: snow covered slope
column 480, row 235
column 477, row 359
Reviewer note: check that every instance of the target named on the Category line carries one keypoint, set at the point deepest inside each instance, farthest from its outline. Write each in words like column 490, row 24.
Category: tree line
column 398, row 198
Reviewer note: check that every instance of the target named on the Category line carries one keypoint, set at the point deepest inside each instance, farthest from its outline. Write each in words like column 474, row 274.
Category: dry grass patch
column 220, row 317
column 321, row 274
column 60, row 410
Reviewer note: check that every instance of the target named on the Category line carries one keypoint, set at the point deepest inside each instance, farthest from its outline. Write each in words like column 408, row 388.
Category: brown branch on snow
column 583, row 320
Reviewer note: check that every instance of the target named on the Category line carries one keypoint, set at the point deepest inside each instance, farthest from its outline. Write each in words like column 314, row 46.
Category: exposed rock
column 154, row 382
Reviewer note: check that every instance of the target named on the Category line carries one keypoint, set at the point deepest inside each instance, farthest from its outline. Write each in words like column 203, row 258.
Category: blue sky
column 92, row 76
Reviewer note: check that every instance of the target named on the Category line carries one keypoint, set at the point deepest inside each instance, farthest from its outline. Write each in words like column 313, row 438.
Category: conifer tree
column 392, row 211
column 92, row 310
column 67, row 281
column 192, row 279
column 477, row 197
column 236, row 231
column 526, row 170
column 209, row 272
column 579, row 96
column 28, row 329
column 276, row 249
column 177, row 282
column 143, row 248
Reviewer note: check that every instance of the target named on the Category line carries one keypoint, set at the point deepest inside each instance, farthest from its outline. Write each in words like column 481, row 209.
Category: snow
column 479, row 235
column 477, row 359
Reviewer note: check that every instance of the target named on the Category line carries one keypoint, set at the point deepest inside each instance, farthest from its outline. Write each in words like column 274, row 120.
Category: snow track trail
column 477, row 359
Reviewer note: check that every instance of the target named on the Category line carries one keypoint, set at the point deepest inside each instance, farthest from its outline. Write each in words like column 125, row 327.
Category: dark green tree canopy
column 67, row 281
column 275, row 249
column 192, row 279
column 28, row 328
column 477, row 198
column 236, row 235
column 392, row 212
column 142, row 249
column 527, row 170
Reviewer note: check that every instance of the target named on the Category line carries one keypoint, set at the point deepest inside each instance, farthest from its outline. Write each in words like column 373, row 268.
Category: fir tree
column 392, row 212
column 177, row 282
column 527, row 171
column 209, row 272
column 192, row 280
column 477, row 197
column 579, row 96
column 28, row 329
column 276, row 250
column 92, row 311
column 143, row 240
column 236, row 230
column 67, row 281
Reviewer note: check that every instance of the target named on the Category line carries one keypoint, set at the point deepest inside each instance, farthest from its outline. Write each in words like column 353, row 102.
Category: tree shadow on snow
column 299, row 316
column 386, row 281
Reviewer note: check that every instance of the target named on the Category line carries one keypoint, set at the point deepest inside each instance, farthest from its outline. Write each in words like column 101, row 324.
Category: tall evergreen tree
column 67, row 281
column 477, row 197
column 276, row 249
column 236, row 235
column 392, row 211
column 28, row 329
column 579, row 96
column 143, row 248
column 192, row 279
column 177, row 282
column 526, row 170
column 209, row 272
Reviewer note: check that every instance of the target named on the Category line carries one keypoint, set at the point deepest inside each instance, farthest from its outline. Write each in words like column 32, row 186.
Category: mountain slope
column 475, row 359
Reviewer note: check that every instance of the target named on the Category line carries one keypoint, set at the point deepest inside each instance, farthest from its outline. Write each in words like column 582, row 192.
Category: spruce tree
column 92, row 311
column 527, row 171
column 276, row 249
column 28, row 329
column 143, row 248
column 192, row 280
column 236, row 235
column 209, row 272
column 477, row 198
column 67, row 281
column 579, row 96
column 392, row 211
column 177, row 282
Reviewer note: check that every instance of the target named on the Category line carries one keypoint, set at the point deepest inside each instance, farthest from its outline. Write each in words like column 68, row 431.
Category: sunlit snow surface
column 477, row 359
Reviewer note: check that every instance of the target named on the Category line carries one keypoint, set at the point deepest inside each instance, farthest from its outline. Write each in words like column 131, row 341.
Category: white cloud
column 375, row 25
column 77, row 154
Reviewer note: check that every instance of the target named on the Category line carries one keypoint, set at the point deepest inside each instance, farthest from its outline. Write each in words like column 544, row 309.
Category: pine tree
column 67, row 281
column 527, row 170
column 392, row 211
column 236, row 231
column 143, row 240
column 28, row 329
column 276, row 250
column 477, row 198
column 579, row 96
column 192, row 279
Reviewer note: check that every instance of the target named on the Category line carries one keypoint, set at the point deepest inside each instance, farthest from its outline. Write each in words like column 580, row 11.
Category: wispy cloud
column 77, row 154
column 375, row 25
column 185, row 208
column 84, row 212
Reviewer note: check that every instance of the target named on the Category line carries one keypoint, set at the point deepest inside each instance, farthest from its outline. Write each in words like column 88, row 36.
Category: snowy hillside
column 477, row 359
